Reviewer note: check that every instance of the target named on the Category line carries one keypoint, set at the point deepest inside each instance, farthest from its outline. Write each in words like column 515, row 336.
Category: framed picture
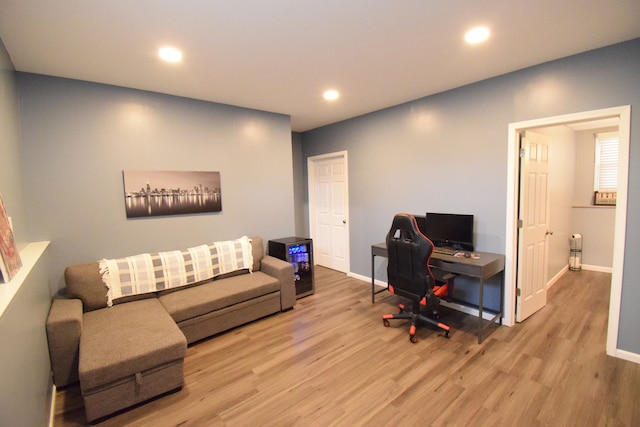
column 153, row 193
column 11, row 262
column 605, row 198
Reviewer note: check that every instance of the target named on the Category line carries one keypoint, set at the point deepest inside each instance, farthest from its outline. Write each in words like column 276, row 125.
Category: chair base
column 415, row 316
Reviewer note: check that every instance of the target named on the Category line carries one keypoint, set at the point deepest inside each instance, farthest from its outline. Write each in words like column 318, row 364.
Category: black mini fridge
column 299, row 252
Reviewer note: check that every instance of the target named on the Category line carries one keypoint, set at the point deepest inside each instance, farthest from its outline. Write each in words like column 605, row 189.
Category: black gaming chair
column 410, row 276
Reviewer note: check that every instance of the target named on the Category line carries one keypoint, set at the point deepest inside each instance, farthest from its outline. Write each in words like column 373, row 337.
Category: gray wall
column 11, row 169
column 25, row 383
column 448, row 152
column 78, row 137
column 299, row 186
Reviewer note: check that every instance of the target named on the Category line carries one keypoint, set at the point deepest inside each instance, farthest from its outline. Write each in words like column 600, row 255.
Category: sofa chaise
column 127, row 349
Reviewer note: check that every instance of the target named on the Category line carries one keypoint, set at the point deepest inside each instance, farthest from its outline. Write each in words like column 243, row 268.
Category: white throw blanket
column 154, row 272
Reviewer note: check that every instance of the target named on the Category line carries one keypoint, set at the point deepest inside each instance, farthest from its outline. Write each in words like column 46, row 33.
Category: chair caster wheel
column 446, row 334
column 413, row 339
column 386, row 323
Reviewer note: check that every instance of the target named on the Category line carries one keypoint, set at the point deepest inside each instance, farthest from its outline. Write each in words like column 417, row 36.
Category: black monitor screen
column 450, row 230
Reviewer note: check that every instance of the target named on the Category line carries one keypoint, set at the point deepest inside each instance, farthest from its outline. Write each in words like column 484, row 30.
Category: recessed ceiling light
column 331, row 95
column 477, row 35
column 170, row 54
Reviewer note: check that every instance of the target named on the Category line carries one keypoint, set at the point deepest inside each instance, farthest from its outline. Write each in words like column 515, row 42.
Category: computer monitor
column 446, row 229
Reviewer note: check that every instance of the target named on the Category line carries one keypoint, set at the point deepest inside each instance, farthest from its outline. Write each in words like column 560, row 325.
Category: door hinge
column 518, row 292
column 520, row 223
column 522, row 153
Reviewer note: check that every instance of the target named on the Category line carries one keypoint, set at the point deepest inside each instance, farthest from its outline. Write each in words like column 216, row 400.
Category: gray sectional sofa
column 134, row 350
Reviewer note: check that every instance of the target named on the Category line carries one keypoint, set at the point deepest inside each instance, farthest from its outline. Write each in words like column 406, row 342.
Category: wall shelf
column 30, row 256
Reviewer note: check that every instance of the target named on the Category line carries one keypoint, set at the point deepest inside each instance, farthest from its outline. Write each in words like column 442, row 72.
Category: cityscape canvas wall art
column 153, row 193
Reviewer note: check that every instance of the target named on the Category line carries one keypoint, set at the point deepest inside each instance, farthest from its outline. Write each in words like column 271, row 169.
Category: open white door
column 328, row 205
column 531, row 293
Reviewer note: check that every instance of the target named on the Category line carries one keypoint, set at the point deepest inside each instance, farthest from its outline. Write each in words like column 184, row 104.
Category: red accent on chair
column 443, row 326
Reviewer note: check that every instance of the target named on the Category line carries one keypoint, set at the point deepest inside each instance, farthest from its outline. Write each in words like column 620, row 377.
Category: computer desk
column 483, row 268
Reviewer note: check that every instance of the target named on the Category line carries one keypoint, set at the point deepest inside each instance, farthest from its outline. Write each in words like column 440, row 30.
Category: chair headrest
column 404, row 221
column 407, row 226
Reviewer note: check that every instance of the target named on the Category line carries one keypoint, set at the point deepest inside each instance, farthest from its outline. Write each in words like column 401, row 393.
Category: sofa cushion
column 127, row 339
column 85, row 283
column 257, row 250
column 214, row 295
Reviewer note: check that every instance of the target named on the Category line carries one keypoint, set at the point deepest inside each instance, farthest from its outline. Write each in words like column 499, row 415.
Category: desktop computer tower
column 299, row 252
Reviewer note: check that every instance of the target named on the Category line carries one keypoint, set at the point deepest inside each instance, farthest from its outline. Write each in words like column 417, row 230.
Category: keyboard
column 445, row 250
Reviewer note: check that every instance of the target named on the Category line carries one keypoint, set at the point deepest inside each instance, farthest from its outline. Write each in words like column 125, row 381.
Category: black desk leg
column 480, row 307
column 373, row 279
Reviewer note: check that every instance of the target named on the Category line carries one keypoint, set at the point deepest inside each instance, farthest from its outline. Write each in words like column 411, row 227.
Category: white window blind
column 606, row 165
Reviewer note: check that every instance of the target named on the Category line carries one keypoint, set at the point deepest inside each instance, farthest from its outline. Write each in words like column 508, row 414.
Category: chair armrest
column 283, row 271
column 64, row 327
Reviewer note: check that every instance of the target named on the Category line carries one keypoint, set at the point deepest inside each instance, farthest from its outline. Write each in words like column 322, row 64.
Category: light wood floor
column 331, row 362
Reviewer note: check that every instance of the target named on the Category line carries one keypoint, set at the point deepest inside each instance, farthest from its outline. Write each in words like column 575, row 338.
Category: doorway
column 329, row 209
column 511, row 251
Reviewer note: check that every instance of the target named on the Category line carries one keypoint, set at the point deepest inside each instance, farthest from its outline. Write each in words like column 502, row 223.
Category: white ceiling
column 280, row 55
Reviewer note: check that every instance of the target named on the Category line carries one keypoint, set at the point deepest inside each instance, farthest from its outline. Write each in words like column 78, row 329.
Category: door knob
column 548, row 233
column 344, row 221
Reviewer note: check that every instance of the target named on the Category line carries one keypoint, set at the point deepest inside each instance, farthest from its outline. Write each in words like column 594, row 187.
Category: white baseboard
column 626, row 355
column 555, row 278
column 587, row 267
column 367, row 279
column 52, row 409
column 597, row 268
column 359, row 277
